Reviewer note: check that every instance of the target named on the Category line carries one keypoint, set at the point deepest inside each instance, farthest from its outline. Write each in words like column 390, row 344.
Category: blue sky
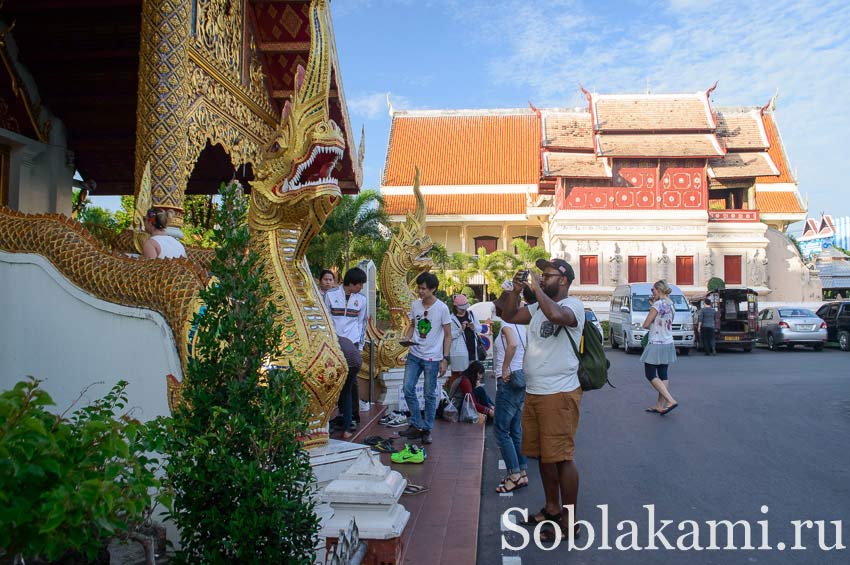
column 431, row 54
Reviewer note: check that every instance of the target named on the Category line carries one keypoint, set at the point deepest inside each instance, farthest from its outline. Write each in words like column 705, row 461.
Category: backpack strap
column 572, row 342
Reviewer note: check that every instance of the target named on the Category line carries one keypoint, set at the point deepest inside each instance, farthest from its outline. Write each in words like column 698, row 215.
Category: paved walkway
column 443, row 526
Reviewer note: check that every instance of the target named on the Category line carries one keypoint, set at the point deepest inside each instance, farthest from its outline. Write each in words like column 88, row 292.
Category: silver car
column 791, row 326
column 590, row 316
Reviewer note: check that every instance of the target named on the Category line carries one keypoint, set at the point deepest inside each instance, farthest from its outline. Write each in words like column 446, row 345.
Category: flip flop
column 503, row 486
column 652, row 410
column 373, row 440
column 415, row 489
column 669, row 409
column 533, row 521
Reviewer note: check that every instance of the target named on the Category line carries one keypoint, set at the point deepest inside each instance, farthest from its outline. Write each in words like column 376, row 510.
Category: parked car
column 837, row 318
column 629, row 309
column 590, row 316
column 791, row 326
column 736, row 317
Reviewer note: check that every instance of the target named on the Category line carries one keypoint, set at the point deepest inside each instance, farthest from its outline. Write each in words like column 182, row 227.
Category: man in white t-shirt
column 431, row 337
column 553, row 394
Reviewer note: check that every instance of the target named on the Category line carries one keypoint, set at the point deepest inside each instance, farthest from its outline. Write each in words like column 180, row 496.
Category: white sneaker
column 365, row 406
column 397, row 422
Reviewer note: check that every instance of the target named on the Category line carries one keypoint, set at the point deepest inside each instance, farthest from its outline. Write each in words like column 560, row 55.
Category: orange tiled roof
column 776, row 151
column 458, row 204
column 652, row 112
column 576, row 165
column 741, row 129
column 741, row 165
column 464, row 149
column 568, row 130
column 659, row 145
column 785, row 202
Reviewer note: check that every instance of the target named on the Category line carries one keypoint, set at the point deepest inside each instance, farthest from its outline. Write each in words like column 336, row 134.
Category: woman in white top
column 160, row 245
column 660, row 351
column 508, row 354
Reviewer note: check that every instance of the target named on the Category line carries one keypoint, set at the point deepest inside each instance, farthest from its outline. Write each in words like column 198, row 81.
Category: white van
column 629, row 308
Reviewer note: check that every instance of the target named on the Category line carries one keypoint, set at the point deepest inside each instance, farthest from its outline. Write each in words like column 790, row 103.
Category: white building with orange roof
column 631, row 188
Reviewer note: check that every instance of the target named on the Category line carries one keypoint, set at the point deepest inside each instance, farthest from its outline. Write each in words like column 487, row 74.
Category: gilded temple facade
column 630, row 188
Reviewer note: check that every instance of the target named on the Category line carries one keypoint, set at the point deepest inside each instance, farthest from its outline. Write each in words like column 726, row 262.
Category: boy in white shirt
column 431, row 337
column 349, row 313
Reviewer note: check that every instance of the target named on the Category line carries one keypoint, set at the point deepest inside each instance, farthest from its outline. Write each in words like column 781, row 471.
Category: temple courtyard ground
column 754, row 430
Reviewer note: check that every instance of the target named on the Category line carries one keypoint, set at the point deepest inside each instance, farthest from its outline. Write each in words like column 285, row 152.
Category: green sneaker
column 410, row 454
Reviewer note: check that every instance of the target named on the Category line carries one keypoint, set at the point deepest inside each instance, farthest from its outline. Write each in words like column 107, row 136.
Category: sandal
column 510, row 485
column 533, row 521
column 415, row 489
column 548, row 534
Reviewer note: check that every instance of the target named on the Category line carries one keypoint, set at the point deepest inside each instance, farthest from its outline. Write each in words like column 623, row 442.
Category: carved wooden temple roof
column 84, row 58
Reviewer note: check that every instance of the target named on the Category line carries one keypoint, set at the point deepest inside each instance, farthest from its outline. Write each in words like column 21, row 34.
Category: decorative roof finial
column 771, row 106
column 390, row 105
column 361, row 150
column 710, row 90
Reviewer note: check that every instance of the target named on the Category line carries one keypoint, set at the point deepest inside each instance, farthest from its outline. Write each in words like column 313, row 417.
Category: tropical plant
column 199, row 216
column 350, row 231
column 68, row 485
column 527, row 255
column 493, row 267
column 240, row 478
column 715, row 283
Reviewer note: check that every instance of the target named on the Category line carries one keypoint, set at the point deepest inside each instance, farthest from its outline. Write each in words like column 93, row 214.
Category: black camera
column 523, row 276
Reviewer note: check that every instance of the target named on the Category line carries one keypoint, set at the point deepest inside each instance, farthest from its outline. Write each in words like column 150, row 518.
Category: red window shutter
column 589, row 269
column 637, row 269
column 685, row 270
column 488, row 242
column 732, row 269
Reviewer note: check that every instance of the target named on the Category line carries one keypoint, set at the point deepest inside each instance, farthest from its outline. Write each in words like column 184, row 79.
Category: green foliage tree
column 493, row 268
column 527, row 255
column 240, row 478
column 67, row 485
column 715, row 283
column 351, row 232
column 199, row 217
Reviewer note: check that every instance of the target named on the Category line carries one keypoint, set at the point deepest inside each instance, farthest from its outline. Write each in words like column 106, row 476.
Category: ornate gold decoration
column 143, row 204
column 403, row 262
column 169, row 287
column 218, row 32
column 39, row 117
column 162, row 101
column 290, row 200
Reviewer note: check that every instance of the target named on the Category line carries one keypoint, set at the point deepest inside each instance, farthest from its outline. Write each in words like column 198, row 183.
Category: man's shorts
column 549, row 425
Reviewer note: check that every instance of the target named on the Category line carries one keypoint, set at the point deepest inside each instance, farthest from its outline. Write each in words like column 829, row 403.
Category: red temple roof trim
column 464, row 148
column 652, row 112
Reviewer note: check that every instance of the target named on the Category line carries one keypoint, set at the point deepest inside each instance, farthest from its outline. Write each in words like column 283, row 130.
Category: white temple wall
column 56, row 332
column 788, row 276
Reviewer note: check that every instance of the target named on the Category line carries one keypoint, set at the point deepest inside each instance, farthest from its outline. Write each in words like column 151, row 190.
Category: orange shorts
column 549, row 425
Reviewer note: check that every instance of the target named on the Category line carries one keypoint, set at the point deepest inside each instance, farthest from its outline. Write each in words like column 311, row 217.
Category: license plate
column 731, row 338
column 805, row 327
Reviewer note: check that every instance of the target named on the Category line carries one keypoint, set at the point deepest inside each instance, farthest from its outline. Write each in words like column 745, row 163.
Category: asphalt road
column 752, row 430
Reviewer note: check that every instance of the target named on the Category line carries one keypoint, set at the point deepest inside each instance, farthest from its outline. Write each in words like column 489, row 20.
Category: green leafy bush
column 715, row 283
column 67, row 485
column 240, row 478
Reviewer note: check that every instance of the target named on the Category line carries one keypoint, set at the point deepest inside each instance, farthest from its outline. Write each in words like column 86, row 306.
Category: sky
column 453, row 54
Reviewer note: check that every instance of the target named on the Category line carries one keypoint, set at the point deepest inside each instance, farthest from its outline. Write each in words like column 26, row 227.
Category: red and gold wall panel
column 636, row 186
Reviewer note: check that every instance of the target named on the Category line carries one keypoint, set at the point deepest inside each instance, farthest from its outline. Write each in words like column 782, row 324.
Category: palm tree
column 493, row 267
column 528, row 255
column 354, row 229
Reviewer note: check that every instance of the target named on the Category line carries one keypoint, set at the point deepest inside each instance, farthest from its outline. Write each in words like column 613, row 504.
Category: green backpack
column 593, row 365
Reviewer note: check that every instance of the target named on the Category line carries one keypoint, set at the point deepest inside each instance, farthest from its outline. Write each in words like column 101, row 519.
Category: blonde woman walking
column 660, row 351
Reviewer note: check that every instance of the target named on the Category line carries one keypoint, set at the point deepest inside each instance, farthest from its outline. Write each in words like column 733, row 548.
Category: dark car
column 837, row 318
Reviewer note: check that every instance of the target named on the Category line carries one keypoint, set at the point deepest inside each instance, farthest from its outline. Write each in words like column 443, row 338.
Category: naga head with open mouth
column 302, row 158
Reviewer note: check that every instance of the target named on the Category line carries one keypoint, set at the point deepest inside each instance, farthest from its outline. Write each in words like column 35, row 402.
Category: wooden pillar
column 463, row 236
column 505, row 237
column 161, row 136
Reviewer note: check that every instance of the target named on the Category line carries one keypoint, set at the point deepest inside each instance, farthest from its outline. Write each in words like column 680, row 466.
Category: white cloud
column 372, row 105
column 799, row 46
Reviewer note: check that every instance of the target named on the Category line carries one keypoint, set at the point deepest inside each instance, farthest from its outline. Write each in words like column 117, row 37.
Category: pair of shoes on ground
column 654, row 410
column 412, row 432
column 415, row 489
column 549, row 533
column 384, row 446
column 410, row 454
column 394, row 420
column 509, row 485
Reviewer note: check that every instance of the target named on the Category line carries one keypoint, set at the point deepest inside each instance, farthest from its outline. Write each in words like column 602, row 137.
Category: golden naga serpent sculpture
column 294, row 192
column 403, row 262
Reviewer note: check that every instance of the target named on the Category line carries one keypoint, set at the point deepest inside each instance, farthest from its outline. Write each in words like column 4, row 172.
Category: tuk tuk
column 736, row 317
